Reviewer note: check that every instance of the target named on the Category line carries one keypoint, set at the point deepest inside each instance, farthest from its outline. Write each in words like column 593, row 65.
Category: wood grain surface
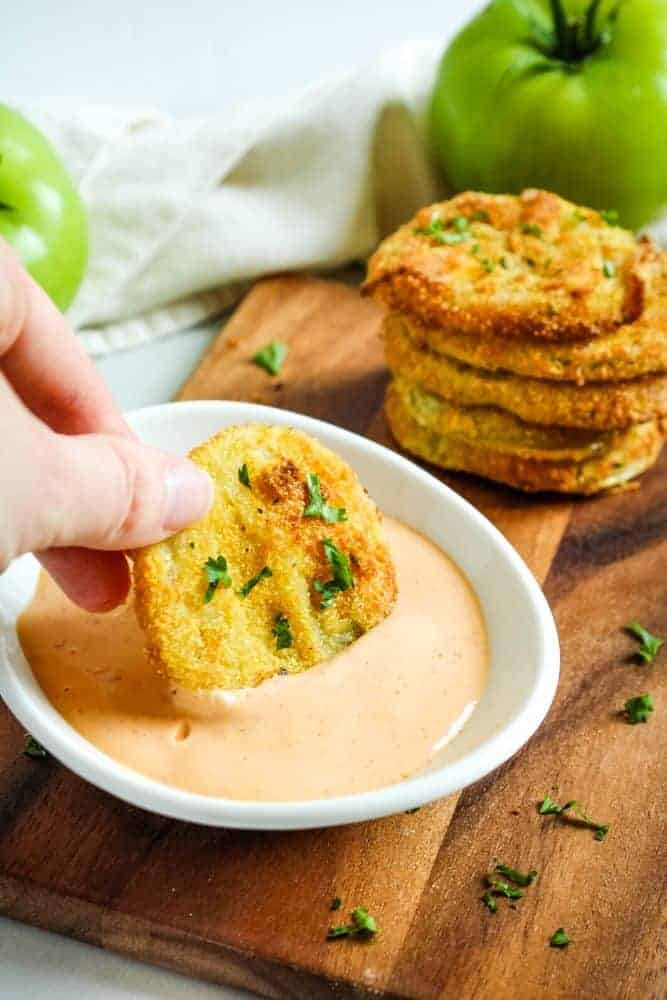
column 251, row 909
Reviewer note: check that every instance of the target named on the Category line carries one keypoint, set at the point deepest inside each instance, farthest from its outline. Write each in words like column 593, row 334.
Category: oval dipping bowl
column 524, row 654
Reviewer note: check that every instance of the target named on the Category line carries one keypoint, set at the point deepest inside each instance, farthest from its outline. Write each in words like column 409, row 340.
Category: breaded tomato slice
column 629, row 352
column 592, row 406
column 288, row 567
column 627, row 455
column 487, row 425
column 527, row 265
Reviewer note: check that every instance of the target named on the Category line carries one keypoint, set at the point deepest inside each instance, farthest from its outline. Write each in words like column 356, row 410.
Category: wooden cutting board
column 252, row 909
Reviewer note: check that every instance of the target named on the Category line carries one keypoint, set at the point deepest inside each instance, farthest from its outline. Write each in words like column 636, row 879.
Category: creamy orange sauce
column 372, row 715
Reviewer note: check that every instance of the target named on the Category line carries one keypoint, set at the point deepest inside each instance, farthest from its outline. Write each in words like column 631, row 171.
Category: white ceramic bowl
column 523, row 639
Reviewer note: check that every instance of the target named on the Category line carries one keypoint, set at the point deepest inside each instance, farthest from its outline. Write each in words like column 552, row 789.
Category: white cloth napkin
column 183, row 213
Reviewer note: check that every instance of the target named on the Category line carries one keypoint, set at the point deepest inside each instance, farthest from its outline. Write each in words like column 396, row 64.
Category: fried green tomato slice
column 630, row 453
column 631, row 351
column 532, row 265
column 593, row 406
column 288, row 567
column 502, row 431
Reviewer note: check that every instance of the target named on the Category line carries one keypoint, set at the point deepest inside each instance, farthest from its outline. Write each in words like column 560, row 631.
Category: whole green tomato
column 559, row 94
column 41, row 213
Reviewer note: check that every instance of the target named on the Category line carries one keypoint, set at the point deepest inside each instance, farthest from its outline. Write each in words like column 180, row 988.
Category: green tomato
column 567, row 95
column 41, row 213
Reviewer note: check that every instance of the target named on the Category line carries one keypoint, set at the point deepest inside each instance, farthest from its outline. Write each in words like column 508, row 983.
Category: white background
column 187, row 58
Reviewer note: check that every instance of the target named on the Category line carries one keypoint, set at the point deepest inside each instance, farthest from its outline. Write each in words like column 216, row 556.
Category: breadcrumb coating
column 630, row 453
column 629, row 352
column 593, row 406
column 227, row 634
column 532, row 265
column 504, row 432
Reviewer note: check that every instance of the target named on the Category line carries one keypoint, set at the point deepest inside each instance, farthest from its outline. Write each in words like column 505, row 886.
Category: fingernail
column 188, row 495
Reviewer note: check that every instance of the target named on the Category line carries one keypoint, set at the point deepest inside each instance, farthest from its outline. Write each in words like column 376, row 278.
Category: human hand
column 76, row 487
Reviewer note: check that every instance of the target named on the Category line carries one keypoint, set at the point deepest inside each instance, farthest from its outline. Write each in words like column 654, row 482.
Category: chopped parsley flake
column 282, row 632
column 489, row 902
column 216, row 574
column 499, row 887
column 343, row 930
column 342, row 574
column 650, row 644
column 317, row 507
column 549, row 806
column 578, row 815
column 608, row 269
column 519, row 878
column 474, row 249
column 271, row 357
column 530, row 229
column 33, row 749
column 480, row 215
column 610, row 216
column 438, row 232
column 559, row 938
column 244, row 476
column 362, row 925
column 638, row 709
column 488, row 265
column 336, row 903
column 254, row 580
column 460, row 223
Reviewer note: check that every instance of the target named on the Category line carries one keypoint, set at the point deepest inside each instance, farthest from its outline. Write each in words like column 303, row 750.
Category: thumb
column 104, row 491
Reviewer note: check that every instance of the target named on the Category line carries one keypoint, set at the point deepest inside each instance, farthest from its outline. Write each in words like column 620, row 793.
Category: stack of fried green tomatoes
column 527, row 340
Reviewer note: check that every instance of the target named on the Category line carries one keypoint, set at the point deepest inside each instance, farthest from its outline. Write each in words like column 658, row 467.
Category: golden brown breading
column 595, row 406
column 633, row 451
column 495, row 428
column 230, row 640
column 504, row 265
column 632, row 350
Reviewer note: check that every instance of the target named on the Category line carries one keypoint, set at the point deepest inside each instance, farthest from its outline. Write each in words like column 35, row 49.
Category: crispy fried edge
column 638, row 449
column 401, row 287
column 599, row 406
column 147, row 572
column 453, row 421
column 629, row 352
